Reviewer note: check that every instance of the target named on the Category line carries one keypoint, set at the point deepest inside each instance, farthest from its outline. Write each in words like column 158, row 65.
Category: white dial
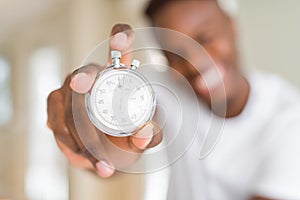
column 120, row 102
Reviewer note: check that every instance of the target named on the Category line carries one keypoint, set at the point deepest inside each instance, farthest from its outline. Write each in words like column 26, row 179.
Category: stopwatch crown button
column 115, row 54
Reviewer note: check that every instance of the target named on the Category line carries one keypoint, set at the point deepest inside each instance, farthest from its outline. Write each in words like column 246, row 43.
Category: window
column 5, row 95
column 46, row 170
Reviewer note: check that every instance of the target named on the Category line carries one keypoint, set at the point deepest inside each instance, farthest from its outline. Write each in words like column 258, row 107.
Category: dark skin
column 214, row 30
column 209, row 26
column 61, row 120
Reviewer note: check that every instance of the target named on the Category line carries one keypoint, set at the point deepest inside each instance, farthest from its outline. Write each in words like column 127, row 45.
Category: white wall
column 270, row 31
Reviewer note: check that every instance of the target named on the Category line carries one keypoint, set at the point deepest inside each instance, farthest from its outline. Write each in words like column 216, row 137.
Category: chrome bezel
column 90, row 104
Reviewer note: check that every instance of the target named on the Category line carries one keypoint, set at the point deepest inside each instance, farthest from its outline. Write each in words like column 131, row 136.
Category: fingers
column 66, row 139
column 157, row 136
column 104, row 169
column 143, row 137
column 83, row 79
column 147, row 137
column 121, row 39
column 56, row 119
column 62, row 115
column 69, row 142
column 74, row 158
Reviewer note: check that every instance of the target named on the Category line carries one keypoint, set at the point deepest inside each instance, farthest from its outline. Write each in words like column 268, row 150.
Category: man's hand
column 61, row 118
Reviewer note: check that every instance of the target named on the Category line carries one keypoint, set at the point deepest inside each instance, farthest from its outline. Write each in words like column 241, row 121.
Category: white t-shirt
column 258, row 153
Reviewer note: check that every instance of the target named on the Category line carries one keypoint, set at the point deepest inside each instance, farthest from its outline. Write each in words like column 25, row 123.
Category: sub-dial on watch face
column 123, row 100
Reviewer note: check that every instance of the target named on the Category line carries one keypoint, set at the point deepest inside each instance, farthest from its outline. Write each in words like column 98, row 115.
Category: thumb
column 143, row 137
column 104, row 169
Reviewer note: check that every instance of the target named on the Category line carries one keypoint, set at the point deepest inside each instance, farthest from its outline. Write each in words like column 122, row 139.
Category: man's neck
column 237, row 103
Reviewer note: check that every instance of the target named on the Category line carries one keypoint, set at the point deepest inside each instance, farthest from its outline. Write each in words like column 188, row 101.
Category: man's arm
column 69, row 99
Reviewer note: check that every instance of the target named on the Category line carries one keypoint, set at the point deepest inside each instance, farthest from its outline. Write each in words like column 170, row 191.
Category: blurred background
column 42, row 41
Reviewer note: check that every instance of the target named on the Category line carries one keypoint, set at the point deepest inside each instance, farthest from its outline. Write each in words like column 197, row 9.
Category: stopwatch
column 121, row 100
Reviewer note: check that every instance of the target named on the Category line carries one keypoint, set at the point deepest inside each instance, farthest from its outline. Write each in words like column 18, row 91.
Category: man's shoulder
column 278, row 139
column 278, row 103
column 274, row 90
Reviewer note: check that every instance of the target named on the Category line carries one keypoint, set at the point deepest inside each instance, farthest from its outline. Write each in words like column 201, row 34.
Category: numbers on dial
column 101, row 101
column 123, row 100
column 102, row 91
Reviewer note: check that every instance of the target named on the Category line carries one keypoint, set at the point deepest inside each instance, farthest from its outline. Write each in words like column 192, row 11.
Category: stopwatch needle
column 119, row 82
column 121, row 97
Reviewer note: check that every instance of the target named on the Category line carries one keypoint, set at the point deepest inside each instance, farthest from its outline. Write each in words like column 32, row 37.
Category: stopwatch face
column 121, row 101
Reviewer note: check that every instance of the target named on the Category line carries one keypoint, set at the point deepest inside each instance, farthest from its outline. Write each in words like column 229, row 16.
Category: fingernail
column 119, row 41
column 81, row 82
column 49, row 125
column 72, row 83
column 104, row 169
column 142, row 139
column 212, row 78
column 200, row 83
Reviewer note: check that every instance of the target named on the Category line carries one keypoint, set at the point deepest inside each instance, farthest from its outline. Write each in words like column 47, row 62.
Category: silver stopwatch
column 122, row 100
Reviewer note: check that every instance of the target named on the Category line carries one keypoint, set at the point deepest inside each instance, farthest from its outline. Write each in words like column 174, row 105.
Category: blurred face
column 204, row 22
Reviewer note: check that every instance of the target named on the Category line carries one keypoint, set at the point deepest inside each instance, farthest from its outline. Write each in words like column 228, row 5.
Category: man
column 257, row 155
